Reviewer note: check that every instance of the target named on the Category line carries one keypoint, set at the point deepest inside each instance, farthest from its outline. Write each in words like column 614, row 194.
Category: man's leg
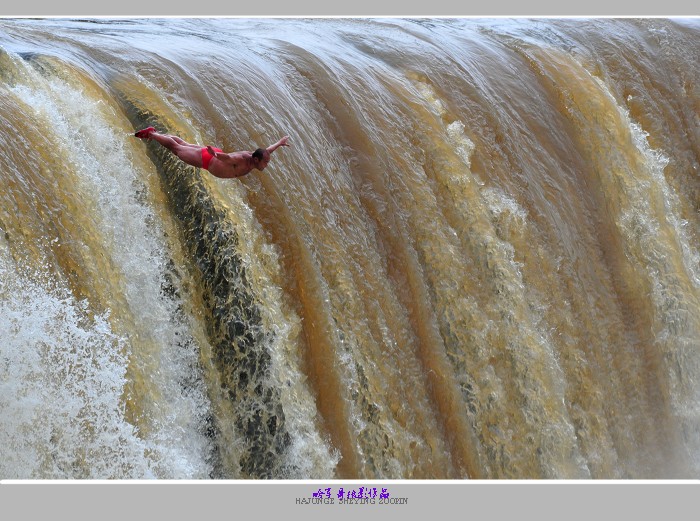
column 183, row 142
column 190, row 154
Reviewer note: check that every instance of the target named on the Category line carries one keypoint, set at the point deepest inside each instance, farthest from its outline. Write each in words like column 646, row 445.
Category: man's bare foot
column 145, row 133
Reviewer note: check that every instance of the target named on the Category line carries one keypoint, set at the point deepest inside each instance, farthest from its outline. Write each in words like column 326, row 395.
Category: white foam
column 463, row 145
column 62, row 375
column 85, row 130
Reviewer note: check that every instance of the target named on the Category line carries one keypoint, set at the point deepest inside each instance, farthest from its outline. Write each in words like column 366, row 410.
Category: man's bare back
column 235, row 164
column 219, row 163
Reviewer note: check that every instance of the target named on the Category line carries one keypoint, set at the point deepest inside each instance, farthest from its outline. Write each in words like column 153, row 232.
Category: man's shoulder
column 239, row 155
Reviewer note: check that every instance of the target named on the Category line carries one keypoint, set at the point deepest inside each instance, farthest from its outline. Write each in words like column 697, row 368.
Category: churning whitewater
column 478, row 259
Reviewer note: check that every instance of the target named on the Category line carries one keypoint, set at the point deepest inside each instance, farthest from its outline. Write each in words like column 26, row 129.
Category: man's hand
column 281, row 143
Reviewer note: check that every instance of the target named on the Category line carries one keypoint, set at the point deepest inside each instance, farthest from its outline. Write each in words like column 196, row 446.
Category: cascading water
column 478, row 259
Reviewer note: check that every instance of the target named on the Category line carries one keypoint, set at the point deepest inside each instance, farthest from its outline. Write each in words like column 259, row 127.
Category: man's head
column 261, row 158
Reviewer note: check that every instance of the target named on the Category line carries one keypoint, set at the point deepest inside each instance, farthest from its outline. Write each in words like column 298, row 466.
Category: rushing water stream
column 478, row 259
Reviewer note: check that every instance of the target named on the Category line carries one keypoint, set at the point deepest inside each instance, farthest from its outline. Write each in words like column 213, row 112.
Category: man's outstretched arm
column 281, row 143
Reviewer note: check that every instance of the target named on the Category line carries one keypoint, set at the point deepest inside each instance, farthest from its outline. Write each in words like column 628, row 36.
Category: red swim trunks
column 206, row 157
